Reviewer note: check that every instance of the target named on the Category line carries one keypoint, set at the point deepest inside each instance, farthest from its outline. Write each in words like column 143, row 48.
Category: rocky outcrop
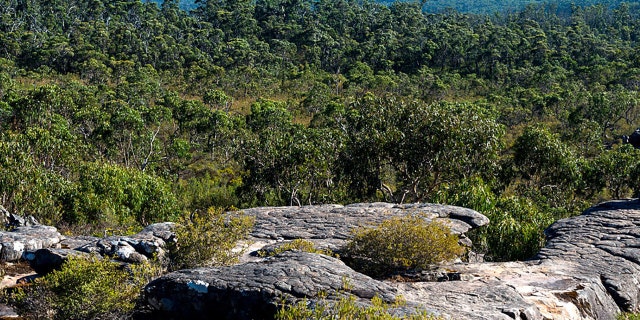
column 12, row 220
column 13, row 244
column 329, row 226
column 145, row 245
column 43, row 261
column 589, row 269
column 253, row 290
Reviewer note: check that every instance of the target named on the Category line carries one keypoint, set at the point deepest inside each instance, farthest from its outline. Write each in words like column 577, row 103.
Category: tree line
column 120, row 113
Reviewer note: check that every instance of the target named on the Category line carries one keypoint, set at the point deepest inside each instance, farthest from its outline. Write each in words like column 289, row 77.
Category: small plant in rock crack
column 347, row 307
column 297, row 244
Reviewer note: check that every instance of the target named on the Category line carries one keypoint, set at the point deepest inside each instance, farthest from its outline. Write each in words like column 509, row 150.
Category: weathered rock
column 604, row 245
column 78, row 242
column 162, row 230
column 145, row 245
column 44, row 261
column 14, row 243
column 330, row 226
column 589, row 269
column 7, row 312
column 253, row 290
column 12, row 220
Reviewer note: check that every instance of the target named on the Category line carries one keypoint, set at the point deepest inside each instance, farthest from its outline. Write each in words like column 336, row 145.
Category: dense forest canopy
column 467, row 6
column 119, row 113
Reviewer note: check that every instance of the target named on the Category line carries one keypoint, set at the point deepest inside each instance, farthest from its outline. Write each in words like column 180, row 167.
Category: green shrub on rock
column 297, row 244
column 208, row 238
column 401, row 244
column 347, row 308
column 84, row 289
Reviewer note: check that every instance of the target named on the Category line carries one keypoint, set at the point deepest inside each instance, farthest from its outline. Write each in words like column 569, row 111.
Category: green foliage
column 209, row 189
column 28, row 188
column 628, row 316
column 207, row 239
column 401, row 243
column 84, row 289
column 124, row 113
column 540, row 157
column 615, row 171
column 516, row 231
column 297, row 244
column 516, row 227
column 114, row 193
column 346, row 307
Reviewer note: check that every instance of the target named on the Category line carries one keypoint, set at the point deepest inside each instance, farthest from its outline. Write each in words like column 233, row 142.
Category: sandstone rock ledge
column 589, row 269
column 330, row 226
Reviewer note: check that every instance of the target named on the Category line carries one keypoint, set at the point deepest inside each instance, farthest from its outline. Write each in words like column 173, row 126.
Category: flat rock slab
column 13, row 244
column 589, row 269
column 253, row 290
column 604, row 245
column 330, row 226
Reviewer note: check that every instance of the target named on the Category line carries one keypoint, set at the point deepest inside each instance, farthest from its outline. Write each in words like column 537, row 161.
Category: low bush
column 84, row 289
column 401, row 244
column 516, row 228
column 347, row 308
column 297, row 244
column 207, row 238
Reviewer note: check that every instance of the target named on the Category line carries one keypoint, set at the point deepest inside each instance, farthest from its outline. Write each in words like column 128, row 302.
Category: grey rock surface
column 46, row 260
column 7, row 312
column 253, row 290
column 589, row 269
column 12, row 220
column 329, row 226
column 13, row 244
column 145, row 245
column 25, row 243
column 604, row 245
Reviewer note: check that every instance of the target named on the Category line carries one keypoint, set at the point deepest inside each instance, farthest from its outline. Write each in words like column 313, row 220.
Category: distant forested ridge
column 115, row 114
column 471, row 6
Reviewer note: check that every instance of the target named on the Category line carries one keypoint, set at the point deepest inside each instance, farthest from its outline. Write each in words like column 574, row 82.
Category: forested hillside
column 115, row 114
column 470, row 6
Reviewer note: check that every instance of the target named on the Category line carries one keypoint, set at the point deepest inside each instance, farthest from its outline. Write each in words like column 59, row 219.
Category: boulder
column 13, row 244
column 12, row 220
column 253, row 290
column 604, row 246
column 43, row 261
column 145, row 245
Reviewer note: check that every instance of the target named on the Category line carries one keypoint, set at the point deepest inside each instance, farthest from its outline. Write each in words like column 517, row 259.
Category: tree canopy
column 121, row 113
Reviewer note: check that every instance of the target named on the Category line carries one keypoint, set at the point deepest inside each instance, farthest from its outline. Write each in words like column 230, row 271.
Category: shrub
column 109, row 192
column 84, row 289
column 628, row 316
column 347, row 308
column 401, row 244
column 297, row 244
column 207, row 239
column 516, row 227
